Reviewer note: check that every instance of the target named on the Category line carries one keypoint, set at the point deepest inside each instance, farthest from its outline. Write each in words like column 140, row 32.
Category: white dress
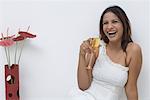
column 109, row 79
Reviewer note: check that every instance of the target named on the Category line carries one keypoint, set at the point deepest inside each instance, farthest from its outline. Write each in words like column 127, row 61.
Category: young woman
column 118, row 64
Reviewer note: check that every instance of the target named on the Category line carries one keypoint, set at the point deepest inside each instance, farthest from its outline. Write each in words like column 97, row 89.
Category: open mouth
column 111, row 33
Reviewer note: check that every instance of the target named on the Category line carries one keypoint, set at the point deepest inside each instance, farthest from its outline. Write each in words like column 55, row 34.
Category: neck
column 114, row 46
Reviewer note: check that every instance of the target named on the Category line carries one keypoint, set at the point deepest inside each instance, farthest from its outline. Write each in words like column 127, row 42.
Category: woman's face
column 112, row 27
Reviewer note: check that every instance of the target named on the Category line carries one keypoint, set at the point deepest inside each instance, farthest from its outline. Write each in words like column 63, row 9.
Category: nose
column 110, row 26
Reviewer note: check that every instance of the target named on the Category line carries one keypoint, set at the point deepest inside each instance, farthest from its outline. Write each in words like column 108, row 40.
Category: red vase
column 12, row 82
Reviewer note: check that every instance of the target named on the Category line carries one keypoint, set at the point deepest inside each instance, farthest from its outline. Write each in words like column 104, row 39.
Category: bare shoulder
column 133, row 49
column 134, row 52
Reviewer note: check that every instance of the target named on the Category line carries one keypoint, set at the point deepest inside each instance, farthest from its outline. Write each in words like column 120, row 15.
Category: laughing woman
column 103, row 74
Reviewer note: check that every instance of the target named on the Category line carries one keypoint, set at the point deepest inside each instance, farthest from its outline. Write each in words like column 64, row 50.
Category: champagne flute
column 95, row 43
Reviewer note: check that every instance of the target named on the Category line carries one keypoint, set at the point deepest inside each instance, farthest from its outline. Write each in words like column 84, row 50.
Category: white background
column 49, row 62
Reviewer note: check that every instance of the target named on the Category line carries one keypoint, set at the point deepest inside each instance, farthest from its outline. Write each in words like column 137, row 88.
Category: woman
column 118, row 63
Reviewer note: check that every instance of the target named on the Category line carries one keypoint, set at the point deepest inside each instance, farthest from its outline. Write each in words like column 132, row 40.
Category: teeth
column 111, row 32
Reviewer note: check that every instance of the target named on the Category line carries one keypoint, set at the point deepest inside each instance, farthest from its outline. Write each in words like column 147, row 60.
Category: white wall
column 49, row 62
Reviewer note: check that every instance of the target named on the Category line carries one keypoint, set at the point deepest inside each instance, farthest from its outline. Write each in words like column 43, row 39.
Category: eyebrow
column 112, row 19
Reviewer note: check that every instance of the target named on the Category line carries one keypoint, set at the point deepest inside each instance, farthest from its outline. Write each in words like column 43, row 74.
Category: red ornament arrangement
column 12, row 67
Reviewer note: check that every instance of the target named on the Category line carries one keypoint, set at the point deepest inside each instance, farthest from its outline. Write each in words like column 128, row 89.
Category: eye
column 104, row 23
column 115, row 21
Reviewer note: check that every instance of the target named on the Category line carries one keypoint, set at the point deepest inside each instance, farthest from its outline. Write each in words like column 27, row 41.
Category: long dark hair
column 119, row 12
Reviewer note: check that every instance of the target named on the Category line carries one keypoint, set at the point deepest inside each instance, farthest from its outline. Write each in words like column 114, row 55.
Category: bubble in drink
column 95, row 42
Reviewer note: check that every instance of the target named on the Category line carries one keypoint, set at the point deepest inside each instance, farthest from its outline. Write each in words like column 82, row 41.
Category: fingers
column 86, row 46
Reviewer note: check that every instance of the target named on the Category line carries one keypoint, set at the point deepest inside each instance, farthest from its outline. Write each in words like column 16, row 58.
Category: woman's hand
column 88, row 52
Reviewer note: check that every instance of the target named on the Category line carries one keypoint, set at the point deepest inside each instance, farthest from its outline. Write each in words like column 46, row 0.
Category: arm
column 135, row 64
column 84, row 75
